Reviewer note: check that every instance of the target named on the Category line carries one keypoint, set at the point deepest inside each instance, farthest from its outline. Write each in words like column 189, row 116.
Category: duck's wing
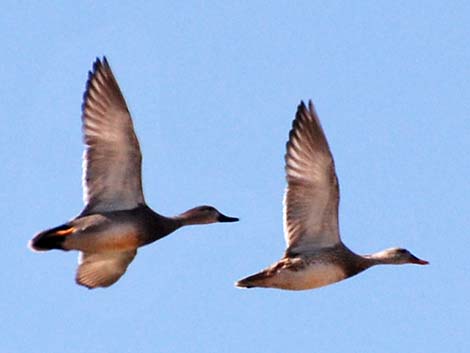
column 102, row 269
column 112, row 159
column 312, row 194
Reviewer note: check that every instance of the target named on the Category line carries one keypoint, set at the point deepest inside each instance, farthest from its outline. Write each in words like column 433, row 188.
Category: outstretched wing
column 112, row 159
column 312, row 195
column 102, row 269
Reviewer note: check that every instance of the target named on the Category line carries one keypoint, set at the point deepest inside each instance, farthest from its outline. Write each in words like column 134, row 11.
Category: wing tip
column 100, row 62
column 100, row 65
column 304, row 111
column 302, row 114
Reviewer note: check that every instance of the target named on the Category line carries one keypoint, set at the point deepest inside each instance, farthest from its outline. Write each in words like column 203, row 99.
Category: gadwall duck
column 115, row 220
column 315, row 255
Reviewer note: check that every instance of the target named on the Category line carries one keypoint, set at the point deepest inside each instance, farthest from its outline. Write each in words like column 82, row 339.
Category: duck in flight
column 315, row 255
column 116, row 219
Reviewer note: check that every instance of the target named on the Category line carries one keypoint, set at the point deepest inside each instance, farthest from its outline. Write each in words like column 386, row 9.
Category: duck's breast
column 311, row 276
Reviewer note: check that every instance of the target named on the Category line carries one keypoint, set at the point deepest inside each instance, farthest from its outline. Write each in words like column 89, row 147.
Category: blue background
column 213, row 89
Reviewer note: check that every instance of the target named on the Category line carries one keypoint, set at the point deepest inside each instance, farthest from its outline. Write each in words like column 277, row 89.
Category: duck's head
column 397, row 256
column 205, row 215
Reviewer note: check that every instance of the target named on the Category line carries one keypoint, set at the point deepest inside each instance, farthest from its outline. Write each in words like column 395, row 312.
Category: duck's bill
column 415, row 260
column 224, row 218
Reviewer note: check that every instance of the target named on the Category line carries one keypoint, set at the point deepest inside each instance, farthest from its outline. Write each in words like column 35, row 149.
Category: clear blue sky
column 213, row 89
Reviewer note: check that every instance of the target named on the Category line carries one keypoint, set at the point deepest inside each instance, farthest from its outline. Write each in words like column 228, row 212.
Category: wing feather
column 312, row 195
column 102, row 269
column 112, row 159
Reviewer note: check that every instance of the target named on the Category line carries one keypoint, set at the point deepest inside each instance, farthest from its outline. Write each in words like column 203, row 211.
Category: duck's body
column 109, row 231
column 309, row 270
column 315, row 255
column 116, row 220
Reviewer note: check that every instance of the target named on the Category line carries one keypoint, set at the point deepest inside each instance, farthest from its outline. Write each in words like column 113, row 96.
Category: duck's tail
column 256, row 280
column 51, row 239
